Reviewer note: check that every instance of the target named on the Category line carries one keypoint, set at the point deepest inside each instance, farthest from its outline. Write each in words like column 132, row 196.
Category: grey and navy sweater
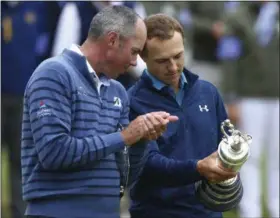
column 69, row 141
column 166, row 186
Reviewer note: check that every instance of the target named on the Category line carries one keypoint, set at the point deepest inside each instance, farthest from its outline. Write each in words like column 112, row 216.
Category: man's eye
column 134, row 52
column 178, row 56
column 161, row 61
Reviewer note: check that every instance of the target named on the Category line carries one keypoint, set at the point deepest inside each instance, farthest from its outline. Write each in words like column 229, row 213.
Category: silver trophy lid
column 234, row 148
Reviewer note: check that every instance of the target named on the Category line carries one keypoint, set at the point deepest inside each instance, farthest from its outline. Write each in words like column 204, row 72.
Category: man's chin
column 122, row 73
column 116, row 75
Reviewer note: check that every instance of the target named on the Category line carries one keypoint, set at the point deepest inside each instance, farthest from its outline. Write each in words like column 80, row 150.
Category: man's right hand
column 211, row 168
column 148, row 126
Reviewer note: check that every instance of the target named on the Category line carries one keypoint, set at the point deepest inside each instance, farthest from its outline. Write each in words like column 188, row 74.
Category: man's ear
column 112, row 39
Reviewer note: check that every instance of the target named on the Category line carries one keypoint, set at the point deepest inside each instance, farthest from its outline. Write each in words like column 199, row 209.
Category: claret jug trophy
column 233, row 152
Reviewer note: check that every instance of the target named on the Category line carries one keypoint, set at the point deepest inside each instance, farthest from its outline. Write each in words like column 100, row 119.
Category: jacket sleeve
column 149, row 165
column 160, row 170
column 49, row 105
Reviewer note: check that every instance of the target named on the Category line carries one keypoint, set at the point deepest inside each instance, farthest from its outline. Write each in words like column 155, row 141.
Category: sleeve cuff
column 114, row 141
column 192, row 167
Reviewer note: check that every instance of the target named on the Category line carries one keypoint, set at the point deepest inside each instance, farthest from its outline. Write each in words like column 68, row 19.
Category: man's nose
column 172, row 66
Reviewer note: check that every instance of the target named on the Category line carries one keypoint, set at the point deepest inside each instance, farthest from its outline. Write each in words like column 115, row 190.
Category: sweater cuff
column 114, row 141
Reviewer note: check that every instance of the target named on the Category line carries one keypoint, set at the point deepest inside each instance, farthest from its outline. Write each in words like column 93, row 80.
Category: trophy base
column 220, row 197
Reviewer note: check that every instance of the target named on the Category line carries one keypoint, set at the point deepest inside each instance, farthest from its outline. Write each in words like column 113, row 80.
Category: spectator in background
column 249, row 51
column 79, row 15
column 203, row 40
column 203, row 18
column 26, row 38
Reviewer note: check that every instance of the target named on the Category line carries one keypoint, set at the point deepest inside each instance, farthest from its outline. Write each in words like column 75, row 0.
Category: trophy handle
column 229, row 125
column 248, row 138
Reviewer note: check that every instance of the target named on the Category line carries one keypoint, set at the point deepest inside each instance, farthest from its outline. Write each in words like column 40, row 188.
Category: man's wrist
column 199, row 167
column 129, row 138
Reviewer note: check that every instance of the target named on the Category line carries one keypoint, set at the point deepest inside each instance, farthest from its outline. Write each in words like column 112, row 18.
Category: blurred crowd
column 234, row 45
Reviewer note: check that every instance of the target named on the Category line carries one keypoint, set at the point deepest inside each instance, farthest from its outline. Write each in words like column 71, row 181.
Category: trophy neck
column 236, row 147
column 233, row 155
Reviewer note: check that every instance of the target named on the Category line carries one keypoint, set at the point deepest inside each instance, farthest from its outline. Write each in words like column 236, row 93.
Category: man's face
column 165, row 58
column 124, row 53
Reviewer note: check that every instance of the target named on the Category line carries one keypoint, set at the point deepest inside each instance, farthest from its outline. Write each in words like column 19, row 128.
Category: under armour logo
column 203, row 108
column 117, row 102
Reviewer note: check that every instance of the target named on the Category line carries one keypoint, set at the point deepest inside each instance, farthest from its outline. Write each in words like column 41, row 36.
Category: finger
column 220, row 165
column 215, row 178
column 161, row 120
column 163, row 114
column 222, row 178
column 173, row 118
column 163, row 123
column 156, row 124
column 148, row 132
column 151, row 130
column 145, row 127
column 216, row 168
column 223, row 173
column 225, row 169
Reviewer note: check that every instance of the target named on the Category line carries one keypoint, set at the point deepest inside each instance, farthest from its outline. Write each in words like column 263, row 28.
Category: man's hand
column 156, row 123
column 149, row 126
column 212, row 170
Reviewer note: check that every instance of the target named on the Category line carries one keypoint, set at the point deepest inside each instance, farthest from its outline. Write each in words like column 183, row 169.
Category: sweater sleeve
column 137, row 155
column 48, row 99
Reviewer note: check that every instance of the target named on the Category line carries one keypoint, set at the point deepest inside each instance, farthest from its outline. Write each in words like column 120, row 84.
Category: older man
column 74, row 112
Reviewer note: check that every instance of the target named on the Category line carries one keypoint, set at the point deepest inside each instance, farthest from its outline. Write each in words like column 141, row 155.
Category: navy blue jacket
column 165, row 187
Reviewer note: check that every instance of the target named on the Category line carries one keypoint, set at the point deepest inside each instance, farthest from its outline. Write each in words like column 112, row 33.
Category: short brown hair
column 161, row 26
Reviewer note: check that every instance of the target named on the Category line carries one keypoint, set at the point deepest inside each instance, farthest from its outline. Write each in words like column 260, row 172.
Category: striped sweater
column 69, row 141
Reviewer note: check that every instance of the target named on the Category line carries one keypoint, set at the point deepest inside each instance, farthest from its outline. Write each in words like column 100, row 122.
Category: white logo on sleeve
column 204, row 108
column 117, row 102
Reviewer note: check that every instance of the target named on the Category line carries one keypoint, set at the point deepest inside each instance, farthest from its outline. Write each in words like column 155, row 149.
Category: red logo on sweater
column 44, row 110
